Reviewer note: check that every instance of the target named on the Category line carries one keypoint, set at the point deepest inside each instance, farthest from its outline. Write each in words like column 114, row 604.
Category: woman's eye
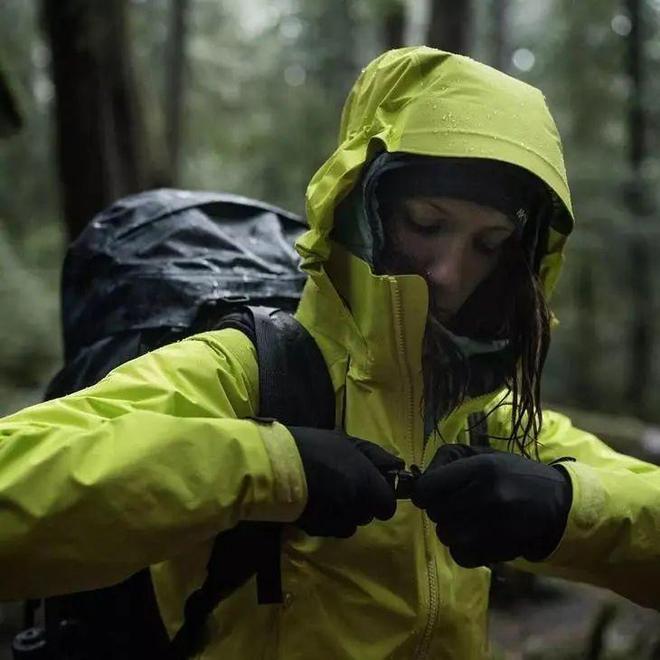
column 424, row 225
column 488, row 248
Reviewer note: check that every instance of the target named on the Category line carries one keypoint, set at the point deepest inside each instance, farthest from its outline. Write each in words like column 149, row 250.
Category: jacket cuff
column 586, row 513
column 289, row 484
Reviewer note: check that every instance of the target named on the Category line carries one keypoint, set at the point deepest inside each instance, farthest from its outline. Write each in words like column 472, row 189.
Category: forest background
column 245, row 96
column 102, row 99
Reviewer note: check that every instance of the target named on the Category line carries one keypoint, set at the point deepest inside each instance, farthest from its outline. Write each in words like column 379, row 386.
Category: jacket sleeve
column 135, row 469
column 612, row 537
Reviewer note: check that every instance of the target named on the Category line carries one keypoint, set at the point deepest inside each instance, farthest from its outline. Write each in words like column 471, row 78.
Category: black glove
column 492, row 506
column 346, row 484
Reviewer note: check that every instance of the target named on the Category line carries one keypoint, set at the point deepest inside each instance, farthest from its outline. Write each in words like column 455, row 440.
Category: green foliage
column 31, row 238
column 29, row 335
column 581, row 67
column 28, row 180
column 264, row 90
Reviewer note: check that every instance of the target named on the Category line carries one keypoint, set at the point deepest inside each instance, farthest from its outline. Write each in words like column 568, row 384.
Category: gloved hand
column 491, row 506
column 346, row 484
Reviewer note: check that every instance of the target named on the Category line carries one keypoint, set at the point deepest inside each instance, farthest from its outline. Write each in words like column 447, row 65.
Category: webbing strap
column 296, row 390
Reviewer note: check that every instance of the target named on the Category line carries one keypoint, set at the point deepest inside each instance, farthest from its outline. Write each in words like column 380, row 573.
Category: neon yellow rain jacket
column 147, row 466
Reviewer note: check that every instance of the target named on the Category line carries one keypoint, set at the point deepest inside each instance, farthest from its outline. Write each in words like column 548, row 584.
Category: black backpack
column 152, row 269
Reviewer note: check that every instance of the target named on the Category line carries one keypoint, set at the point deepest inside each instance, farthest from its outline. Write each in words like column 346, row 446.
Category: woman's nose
column 445, row 271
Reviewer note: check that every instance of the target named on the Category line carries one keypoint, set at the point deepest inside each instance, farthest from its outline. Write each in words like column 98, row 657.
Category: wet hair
column 509, row 305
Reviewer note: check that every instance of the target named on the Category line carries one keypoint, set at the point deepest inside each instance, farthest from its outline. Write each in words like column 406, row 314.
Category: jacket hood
column 428, row 102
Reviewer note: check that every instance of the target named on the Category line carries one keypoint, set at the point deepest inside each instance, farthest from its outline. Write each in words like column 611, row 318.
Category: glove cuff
column 552, row 535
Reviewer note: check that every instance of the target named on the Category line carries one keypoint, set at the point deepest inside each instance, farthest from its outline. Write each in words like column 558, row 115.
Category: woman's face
column 454, row 244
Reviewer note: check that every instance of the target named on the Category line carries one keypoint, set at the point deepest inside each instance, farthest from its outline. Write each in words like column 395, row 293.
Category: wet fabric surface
column 151, row 258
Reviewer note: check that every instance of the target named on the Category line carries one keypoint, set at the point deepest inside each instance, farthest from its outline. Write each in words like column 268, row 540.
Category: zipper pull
column 402, row 481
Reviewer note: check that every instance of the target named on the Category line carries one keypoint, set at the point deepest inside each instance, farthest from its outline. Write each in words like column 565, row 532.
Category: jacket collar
column 371, row 327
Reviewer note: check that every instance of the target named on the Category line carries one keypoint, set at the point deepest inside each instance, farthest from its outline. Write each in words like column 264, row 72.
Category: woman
column 436, row 237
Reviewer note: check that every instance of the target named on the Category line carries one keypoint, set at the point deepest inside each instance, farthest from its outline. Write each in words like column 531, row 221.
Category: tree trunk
column 340, row 63
column 394, row 23
column 499, row 46
column 450, row 26
column 576, row 75
column 100, row 134
column 640, row 277
column 587, row 330
column 175, row 85
column 11, row 120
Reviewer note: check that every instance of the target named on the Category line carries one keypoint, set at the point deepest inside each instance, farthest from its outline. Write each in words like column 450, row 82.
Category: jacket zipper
column 424, row 643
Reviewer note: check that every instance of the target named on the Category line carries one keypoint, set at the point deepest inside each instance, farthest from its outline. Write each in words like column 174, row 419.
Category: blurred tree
column 100, row 131
column 450, row 25
column 394, row 23
column 27, row 186
column 11, row 119
column 579, row 67
column 317, row 72
column 329, row 44
column 585, row 382
column 27, row 352
column 174, row 98
column 640, row 339
column 585, row 95
column 30, row 236
column 500, row 56
column 266, row 91
column 22, row 359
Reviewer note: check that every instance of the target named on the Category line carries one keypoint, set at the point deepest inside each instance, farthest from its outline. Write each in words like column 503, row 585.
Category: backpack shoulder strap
column 294, row 383
column 295, row 389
